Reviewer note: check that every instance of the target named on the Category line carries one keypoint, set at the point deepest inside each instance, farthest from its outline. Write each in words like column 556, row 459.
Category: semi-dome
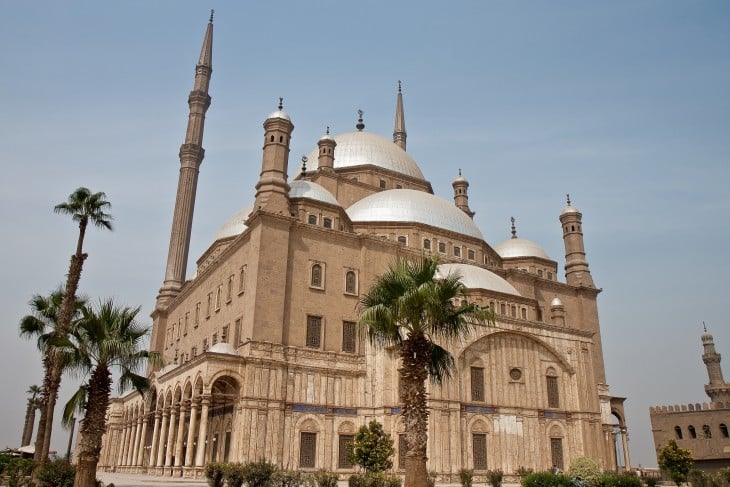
column 224, row 348
column 556, row 302
column 312, row 191
column 408, row 205
column 361, row 148
column 520, row 247
column 234, row 225
column 475, row 277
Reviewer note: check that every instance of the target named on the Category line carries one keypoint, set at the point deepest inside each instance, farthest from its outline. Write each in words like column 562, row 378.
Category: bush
column 291, row 478
column 18, row 471
column 624, row 480
column 214, row 474
column 546, row 479
column 325, row 478
column 495, row 477
column 233, row 474
column 523, row 472
column 258, row 474
column 379, row 479
column 372, row 448
column 585, row 469
column 466, row 477
column 58, row 473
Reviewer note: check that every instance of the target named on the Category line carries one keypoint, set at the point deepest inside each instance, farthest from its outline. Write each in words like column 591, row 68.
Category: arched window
column 316, row 280
column 426, row 244
column 706, row 431
column 692, row 432
column 553, row 394
column 723, row 430
column 678, row 432
column 351, row 282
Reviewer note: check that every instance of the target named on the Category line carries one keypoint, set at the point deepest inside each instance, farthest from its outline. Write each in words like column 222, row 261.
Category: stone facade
column 264, row 358
column 700, row 428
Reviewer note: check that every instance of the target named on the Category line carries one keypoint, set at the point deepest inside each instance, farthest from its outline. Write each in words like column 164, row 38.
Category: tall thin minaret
column 576, row 266
column 461, row 194
column 717, row 388
column 191, row 156
column 272, row 189
column 399, row 132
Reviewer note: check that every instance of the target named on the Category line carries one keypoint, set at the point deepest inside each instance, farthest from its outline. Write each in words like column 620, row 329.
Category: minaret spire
column 514, row 229
column 717, row 388
column 461, row 194
column 576, row 266
column 191, row 156
column 399, row 132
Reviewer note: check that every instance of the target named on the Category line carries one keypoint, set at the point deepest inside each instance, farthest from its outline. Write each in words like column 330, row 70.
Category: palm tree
column 410, row 308
column 105, row 338
column 84, row 207
column 43, row 324
column 29, row 425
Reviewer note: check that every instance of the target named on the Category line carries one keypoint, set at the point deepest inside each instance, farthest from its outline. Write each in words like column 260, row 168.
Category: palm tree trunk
column 48, row 381
column 415, row 354
column 29, row 423
column 93, row 427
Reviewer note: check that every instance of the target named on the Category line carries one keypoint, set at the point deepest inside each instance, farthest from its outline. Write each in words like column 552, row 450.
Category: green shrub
column 375, row 479
column 214, row 474
column 233, row 474
column 651, row 482
column 258, row 474
column 546, row 479
column 58, row 473
column 466, row 477
column 624, row 480
column 325, row 478
column 523, row 472
column 18, row 471
column 372, row 448
column 587, row 470
column 291, row 478
column 495, row 477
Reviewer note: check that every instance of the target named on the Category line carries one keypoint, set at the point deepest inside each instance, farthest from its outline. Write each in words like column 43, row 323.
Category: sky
column 622, row 104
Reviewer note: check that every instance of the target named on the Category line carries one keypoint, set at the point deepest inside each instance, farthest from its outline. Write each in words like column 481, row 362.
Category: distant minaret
column 399, row 132
column 717, row 389
column 461, row 194
column 191, row 156
column 272, row 189
column 576, row 266
column 326, row 158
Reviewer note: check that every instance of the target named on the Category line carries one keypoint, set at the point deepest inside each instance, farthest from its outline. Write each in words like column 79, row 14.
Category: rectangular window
column 477, row 384
column 194, row 352
column 349, row 333
column 442, row 247
column 312, row 219
column 307, row 450
column 224, row 334
column 402, row 450
column 539, row 273
column 328, row 223
column 524, row 313
column 344, row 445
column 471, row 254
column 513, row 310
column 314, row 331
column 382, row 184
column 556, row 452
column 402, row 239
column 457, row 251
column 479, row 447
column 229, row 289
column 550, row 275
column 426, row 244
column 197, row 314
column 237, row 331
column 502, row 309
column 552, row 392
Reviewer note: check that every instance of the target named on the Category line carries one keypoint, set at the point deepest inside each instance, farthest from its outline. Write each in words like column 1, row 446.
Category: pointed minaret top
column 567, row 197
column 360, row 125
column 399, row 132
column 206, row 52
column 704, row 326
column 514, row 229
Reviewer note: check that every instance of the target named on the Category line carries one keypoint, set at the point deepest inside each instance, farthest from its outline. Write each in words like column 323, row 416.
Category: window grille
column 344, row 445
column 479, row 450
column 556, row 452
column 348, row 336
column 307, row 450
column 350, row 282
column 477, row 384
column 552, row 391
column 314, row 331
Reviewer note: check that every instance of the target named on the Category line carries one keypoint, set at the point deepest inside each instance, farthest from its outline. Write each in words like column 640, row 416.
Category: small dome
column 361, row 148
column 224, row 348
column 234, row 225
column 312, row 191
column 569, row 209
column 475, row 277
column 326, row 136
column 279, row 114
column 520, row 247
column 556, row 302
column 409, row 205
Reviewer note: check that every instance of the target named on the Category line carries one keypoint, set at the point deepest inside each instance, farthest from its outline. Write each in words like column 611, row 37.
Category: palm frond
column 440, row 365
column 76, row 404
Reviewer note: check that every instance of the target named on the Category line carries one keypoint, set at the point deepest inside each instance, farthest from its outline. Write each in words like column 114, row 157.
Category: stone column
column 171, row 435
column 625, row 441
column 180, row 436
column 203, row 432
column 120, row 445
column 191, row 433
column 125, row 450
column 143, row 439
column 137, row 441
column 163, row 439
column 155, row 439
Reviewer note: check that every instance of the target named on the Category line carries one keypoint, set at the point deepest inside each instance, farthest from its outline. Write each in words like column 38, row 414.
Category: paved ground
column 135, row 480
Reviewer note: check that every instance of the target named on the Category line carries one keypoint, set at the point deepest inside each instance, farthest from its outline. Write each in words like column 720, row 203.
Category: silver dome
column 224, row 348
column 312, row 191
column 475, row 277
column 408, row 205
column 556, row 302
column 234, row 225
column 279, row 114
column 569, row 209
column 520, row 247
column 360, row 148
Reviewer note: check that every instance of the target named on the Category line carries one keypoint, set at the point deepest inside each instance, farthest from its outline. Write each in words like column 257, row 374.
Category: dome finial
column 281, row 103
column 360, row 125
column 399, row 86
column 459, row 171
column 704, row 326
column 514, row 229
column 212, row 12
column 327, row 131
column 304, row 165
column 567, row 197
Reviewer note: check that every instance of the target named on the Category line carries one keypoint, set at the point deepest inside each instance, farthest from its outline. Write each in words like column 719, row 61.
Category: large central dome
column 362, row 148
column 408, row 205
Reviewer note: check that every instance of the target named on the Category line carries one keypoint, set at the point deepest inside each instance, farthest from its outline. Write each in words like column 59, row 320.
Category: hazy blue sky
column 622, row 104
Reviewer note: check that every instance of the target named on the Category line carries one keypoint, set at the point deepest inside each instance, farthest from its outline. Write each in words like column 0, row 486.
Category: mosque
column 264, row 359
